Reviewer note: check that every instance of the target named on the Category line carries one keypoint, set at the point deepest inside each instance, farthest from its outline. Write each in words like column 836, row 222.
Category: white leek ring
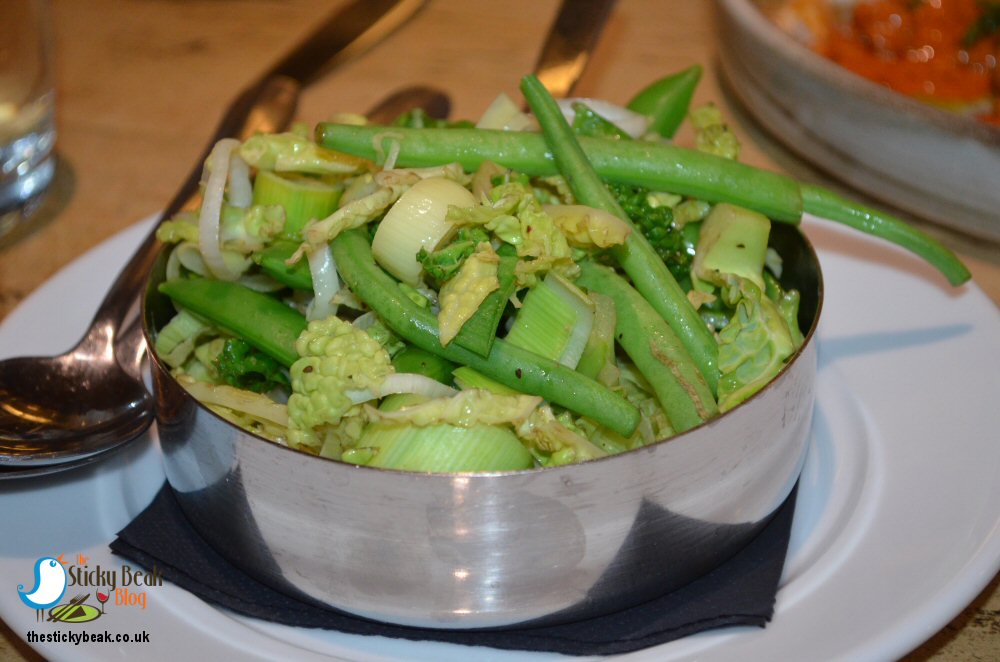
column 210, row 217
column 415, row 221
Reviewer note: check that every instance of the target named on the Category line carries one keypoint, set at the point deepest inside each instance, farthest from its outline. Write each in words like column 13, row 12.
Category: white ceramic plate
column 936, row 165
column 897, row 526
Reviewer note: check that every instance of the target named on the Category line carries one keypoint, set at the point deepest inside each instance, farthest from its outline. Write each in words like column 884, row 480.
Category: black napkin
column 739, row 592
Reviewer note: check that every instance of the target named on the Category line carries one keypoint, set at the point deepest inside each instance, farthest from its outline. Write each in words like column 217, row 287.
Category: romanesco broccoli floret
column 335, row 357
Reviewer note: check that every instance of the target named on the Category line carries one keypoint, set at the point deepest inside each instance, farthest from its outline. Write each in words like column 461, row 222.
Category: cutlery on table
column 570, row 42
column 58, row 411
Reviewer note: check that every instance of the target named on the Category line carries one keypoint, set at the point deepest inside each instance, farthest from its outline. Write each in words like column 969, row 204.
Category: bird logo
column 50, row 584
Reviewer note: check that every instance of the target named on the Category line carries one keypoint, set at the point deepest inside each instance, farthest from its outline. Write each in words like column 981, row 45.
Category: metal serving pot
column 485, row 550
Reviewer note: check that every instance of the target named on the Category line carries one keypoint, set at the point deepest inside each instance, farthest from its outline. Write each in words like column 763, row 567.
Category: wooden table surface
column 142, row 83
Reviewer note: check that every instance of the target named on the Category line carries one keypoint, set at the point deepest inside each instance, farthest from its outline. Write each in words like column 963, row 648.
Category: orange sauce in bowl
column 915, row 47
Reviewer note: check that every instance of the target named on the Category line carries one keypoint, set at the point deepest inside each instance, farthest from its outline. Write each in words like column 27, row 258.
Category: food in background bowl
column 943, row 52
column 935, row 164
column 572, row 526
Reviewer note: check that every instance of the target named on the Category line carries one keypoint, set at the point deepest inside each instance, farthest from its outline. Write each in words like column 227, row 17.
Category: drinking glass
column 27, row 104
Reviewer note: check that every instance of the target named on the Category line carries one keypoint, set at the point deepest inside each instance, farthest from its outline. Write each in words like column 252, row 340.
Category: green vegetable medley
column 532, row 290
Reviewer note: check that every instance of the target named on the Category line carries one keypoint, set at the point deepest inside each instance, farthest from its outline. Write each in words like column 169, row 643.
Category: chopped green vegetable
column 417, row 222
column 555, row 440
column 554, row 321
column 421, row 362
column 183, row 227
column 598, row 358
column 754, row 346
column 249, row 230
column 465, row 409
column 509, row 365
column 656, row 222
column 479, row 331
column 260, row 319
column 274, row 260
column 442, row 264
column 461, row 297
column 655, row 350
column 666, row 100
column 586, row 122
column 290, row 152
column 177, row 339
column 733, row 241
column 711, row 133
column 241, row 365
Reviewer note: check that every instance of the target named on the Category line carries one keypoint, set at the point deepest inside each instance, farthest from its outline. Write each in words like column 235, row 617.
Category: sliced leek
column 554, row 321
column 303, row 198
column 415, row 221
column 598, row 358
column 444, row 448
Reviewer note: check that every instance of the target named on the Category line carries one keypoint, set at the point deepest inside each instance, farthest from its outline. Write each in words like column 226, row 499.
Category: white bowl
column 935, row 164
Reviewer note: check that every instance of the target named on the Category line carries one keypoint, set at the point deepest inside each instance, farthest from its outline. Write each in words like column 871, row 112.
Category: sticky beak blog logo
column 122, row 587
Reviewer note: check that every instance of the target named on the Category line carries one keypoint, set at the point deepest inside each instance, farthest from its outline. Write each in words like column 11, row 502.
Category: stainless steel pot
column 486, row 550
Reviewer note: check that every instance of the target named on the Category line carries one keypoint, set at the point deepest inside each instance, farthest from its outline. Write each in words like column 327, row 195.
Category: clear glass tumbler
column 27, row 104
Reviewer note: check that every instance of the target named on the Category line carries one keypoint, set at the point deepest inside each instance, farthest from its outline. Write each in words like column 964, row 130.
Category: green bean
column 654, row 349
column 420, row 361
column 657, row 166
column 570, row 159
column 667, row 100
column 829, row 205
column 514, row 367
column 653, row 165
column 261, row 320
column 637, row 257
